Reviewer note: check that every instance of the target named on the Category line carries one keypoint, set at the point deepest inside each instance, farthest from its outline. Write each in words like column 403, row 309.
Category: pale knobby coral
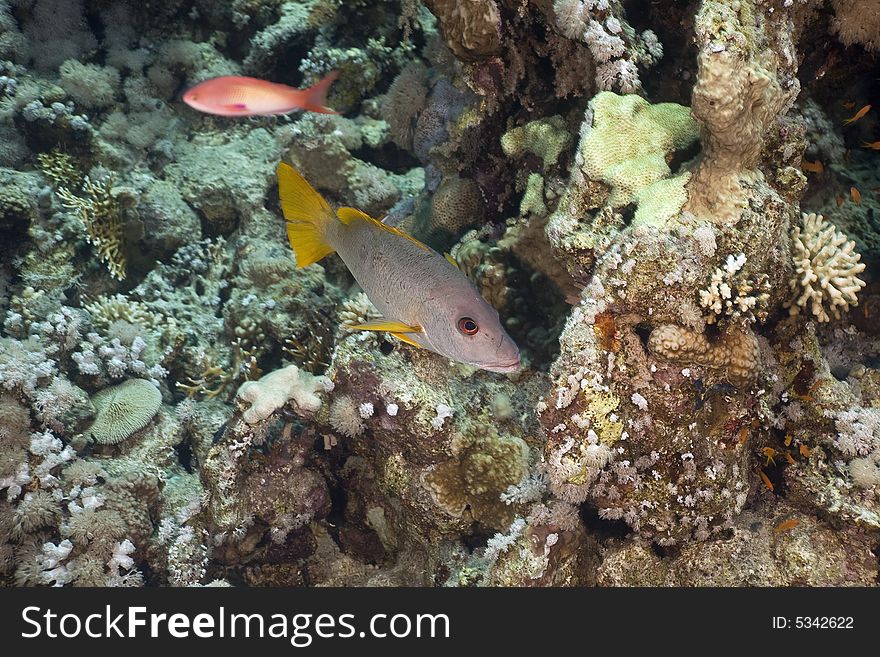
column 826, row 267
column 277, row 388
column 735, row 354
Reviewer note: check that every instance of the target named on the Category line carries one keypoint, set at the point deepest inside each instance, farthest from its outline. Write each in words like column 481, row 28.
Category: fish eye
column 467, row 326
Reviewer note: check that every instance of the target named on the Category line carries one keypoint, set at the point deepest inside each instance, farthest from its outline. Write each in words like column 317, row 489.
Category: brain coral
column 124, row 409
column 735, row 353
column 484, row 469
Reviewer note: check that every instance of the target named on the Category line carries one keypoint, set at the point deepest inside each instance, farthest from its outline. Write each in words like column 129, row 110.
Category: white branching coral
column 615, row 46
column 732, row 294
column 826, row 269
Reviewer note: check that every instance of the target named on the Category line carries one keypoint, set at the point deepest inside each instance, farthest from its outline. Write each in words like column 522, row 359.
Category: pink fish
column 232, row 95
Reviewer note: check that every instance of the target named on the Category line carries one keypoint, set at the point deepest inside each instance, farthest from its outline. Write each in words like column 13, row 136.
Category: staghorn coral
column 98, row 210
column 826, row 269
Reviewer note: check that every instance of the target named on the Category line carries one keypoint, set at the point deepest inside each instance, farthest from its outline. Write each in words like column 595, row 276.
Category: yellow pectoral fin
column 451, row 260
column 386, row 325
column 403, row 337
column 347, row 215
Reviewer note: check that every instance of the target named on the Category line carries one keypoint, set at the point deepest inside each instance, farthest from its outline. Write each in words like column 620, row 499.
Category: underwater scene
column 476, row 293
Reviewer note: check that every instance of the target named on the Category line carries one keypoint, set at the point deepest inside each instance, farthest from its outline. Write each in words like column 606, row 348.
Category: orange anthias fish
column 424, row 299
column 855, row 117
column 233, row 95
column 872, row 144
column 813, row 167
column 856, row 195
column 784, row 526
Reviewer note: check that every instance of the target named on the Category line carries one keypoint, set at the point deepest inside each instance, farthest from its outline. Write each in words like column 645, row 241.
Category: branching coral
column 732, row 294
column 826, row 267
column 99, row 212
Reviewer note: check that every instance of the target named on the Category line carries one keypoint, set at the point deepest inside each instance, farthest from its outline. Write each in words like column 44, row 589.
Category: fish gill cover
column 672, row 205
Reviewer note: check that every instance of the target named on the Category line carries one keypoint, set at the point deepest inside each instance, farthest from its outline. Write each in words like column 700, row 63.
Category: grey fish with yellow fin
column 424, row 299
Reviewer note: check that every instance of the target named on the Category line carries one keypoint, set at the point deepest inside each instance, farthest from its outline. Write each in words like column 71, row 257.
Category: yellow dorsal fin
column 383, row 324
column 307, row 214
column 403, row 337
column 451, row 260
column 347, row 215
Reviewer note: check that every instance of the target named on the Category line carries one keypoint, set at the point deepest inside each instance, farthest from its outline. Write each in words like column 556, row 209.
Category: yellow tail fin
column 307, row 215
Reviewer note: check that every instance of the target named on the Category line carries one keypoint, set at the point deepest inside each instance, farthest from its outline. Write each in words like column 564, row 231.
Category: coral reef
column 672, row 206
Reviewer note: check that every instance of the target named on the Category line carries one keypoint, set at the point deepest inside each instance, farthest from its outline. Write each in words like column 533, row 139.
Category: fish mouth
column 513, row 366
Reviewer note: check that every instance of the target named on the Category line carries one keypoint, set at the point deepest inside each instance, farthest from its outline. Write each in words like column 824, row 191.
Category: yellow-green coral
column 600, row 410
column 533, row 198
column 60, row 168
column 628, row 148
column 546, row 138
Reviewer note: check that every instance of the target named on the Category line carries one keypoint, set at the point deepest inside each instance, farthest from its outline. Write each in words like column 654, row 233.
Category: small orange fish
column 856, row 195
column 766, row 480
column 791, row 523
column 769, row 452
column 849, row 105
column 855, row 117
column 813, row 167
column 872, row 144
column 790, row 458
column 805, row 451
column 234, row 95
column 839, row 199
column 787, row 440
